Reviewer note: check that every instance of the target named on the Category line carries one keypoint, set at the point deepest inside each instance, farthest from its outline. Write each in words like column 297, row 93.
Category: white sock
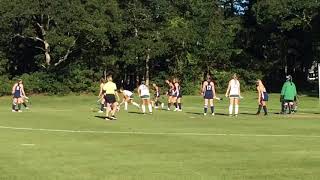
column 135, row 104
column 144, row 108
column 236, row 109
column 230, row 109
column 126, row 106
column 150, row 108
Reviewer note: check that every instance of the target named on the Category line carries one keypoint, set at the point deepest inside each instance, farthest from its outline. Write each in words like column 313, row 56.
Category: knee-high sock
column 212, row 109
column 230, row 109
column 101, row 107
column 236, row 109
column 169, row 105
column 19, row 106
column 135, row 104
column 259, row 109
column 205, row 109
column 265, row 110
column 25, row 104
column 126, row 106
column 144, row 108
column 13, row 106
column 150, row 108
column 175, row 105
column 180, row 106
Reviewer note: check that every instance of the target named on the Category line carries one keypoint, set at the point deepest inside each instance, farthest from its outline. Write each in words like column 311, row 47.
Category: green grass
column 166, row 145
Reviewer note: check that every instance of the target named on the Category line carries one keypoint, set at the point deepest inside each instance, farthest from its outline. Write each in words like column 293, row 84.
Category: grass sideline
column 62, row 138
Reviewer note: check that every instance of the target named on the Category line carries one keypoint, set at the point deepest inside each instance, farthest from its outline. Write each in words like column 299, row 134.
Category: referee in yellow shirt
column 110, row 95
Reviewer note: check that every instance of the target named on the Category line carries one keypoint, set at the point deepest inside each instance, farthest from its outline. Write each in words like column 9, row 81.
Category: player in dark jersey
column 208, row 92
column 170, row 93
column 157, row 101
column 18, row 94
column 177, row 95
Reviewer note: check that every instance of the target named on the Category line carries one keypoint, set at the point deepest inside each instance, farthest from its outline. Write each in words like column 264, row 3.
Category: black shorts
column 110, row 98
column 288, row 101
column 208, row 95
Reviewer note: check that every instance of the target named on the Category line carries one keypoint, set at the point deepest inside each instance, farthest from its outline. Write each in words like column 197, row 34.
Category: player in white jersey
column 234, row 94
column 144, row 94
column 128, row 99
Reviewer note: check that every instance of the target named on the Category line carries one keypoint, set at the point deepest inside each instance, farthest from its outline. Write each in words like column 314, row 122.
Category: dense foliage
column 66, row 46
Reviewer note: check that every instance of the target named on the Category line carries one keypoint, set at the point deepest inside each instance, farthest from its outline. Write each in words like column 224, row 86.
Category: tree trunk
column 147, row 68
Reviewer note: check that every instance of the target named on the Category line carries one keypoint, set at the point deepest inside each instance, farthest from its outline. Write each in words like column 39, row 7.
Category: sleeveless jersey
column 17, row 91
column 144, row 90
column 234, row 87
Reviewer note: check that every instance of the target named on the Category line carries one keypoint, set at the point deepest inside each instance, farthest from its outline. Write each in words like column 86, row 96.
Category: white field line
column 158, row 133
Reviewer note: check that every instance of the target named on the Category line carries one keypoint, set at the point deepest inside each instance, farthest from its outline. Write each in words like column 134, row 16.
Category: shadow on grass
column 201, row 114
column 132, row 112
column 100, row 117
column 250, row 114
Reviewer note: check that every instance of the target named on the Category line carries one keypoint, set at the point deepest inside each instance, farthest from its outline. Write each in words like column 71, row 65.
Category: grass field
column 60, row 138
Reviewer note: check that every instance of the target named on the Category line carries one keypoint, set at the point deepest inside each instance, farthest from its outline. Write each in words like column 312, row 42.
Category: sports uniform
column 110, row 89
column 128, row 94
column 145, row 96
column 234, row 89
column 208, row 94
column 144, row 92
column 233, row 93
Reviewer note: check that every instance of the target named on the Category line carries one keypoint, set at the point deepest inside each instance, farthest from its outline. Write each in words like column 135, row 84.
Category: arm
column 283, row 90
column 213, row 90
column 239, row 90
column 228, row 90
column 259, row 94
column 203, row 88
column 101, row 90
column 22, row 91
column 13, row 88
column 295, row 90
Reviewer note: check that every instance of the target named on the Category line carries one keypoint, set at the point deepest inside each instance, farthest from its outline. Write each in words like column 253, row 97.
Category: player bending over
column 263, row 97
column 157, row 101
column 233, row 92
column 144, row 94
column 209, row 93
column 101, row 94
column 110, row 95
column 128, row 99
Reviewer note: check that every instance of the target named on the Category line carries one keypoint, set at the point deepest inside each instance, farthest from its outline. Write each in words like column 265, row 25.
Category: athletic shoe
column 176, row 109
column 27, row 107
column 150, row 113
column 113, row 118
column 179, row 110
column 204, row 114
column 156, row 107
column 168, row 109
column 13, row 110
column 236, row 115
column 19, row 111
column 100, row 111
column 212, row 114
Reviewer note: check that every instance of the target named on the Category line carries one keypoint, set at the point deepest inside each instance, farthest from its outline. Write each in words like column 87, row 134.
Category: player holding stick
column 208, row 93
column 128, row 99
column 234, row 94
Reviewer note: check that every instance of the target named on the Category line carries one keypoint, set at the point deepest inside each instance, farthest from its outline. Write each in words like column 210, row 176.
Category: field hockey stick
column 218, row 98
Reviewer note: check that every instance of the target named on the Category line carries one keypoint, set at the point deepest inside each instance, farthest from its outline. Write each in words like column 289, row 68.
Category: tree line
column 66, row 46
